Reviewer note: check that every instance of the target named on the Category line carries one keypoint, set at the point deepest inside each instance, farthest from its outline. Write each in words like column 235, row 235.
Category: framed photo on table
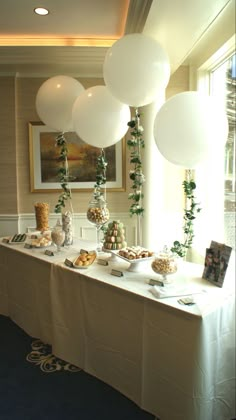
column 82, row 159
column 216, row 263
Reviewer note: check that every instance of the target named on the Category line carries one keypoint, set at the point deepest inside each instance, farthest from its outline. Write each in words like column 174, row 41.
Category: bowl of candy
column 164, row 264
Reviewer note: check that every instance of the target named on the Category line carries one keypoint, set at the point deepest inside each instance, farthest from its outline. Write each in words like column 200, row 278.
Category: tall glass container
column 42, row 216
column 98, row 214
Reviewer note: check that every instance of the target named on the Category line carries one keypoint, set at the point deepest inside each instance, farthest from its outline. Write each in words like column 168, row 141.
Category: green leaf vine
column 63, row 174
column 101, row 167
column 135, row 144
column 190, row 212
column 101, row 179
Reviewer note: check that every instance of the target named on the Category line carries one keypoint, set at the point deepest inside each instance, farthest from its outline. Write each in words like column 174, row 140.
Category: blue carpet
column 27, row 393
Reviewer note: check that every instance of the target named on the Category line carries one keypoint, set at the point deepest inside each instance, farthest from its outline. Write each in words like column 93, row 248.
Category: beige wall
column 17, row 100
column 8, row 177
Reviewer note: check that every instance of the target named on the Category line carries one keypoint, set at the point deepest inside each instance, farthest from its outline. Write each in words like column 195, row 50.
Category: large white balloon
column 135, row 69
column 55, row 99
column 98, row 118
column 189, row 128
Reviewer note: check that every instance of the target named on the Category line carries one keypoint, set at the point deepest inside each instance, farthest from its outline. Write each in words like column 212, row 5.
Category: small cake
column 114, row 238
column 135, row 253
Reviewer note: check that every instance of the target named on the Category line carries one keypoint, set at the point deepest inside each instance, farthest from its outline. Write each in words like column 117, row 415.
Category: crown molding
column 33, row 57
column 137, row 15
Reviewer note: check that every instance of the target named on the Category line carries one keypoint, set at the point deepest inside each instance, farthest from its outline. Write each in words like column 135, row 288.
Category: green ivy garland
column 63, row 174
column 101, row 168
column 135, row 144
column 192, row 208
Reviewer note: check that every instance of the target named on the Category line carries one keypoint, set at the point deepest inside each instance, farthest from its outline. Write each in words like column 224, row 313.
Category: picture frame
column 216, row 263
column 82, row 158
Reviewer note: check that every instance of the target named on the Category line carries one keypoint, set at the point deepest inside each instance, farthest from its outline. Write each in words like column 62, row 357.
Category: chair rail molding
column 20, row 223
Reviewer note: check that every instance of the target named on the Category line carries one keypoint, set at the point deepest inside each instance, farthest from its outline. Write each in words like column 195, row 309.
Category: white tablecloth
column 177, row 362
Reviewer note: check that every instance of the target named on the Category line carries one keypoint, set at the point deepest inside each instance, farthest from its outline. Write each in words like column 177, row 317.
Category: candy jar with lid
column 165, row 264
column 98, row 214
column 58, row 235
column 67, row 226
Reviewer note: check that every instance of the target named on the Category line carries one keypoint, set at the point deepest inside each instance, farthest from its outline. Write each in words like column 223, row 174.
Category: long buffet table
column 175, row 361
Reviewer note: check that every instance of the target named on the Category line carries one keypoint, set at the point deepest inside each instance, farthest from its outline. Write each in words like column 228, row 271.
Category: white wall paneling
column 11, row 224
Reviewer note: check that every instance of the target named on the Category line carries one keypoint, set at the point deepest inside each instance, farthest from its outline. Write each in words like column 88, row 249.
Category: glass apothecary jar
column 42, row 216
column 58, row 235
column 98, row 214
column 165, row 264
column 67, row 226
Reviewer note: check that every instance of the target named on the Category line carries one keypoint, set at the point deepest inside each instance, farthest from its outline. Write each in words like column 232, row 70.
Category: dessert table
column 175, row 361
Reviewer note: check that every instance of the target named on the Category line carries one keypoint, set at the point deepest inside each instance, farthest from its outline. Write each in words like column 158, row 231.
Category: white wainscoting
column 20, row 223
column 9, row 224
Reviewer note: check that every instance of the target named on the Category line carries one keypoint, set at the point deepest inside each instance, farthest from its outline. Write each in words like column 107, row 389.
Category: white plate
column 31, row 243
column 42, row 246
column 135, row 265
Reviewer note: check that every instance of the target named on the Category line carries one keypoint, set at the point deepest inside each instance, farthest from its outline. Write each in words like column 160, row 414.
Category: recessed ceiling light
column 41, row 11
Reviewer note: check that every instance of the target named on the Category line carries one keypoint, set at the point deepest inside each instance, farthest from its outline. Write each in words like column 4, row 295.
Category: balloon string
column 104, row 176
column 139, row 223
column 67, row 178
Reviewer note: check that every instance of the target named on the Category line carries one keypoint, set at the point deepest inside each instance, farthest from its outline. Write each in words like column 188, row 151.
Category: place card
column 186, row 301
column 69, row 263
column 6, row 240
column 28, row 246
column 49, row 253
column 83, row 251
column 102, row 262
column 117, row 273
column 154, row 282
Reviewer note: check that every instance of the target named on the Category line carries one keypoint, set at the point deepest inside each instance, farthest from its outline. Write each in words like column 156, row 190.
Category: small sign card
column 83, row 251
column 216, row 263
column 155, row 282
column 102, row 262
column 6, row 240
column 69, row 263
column 117, row 273
column 49, row 253
column 28, row 246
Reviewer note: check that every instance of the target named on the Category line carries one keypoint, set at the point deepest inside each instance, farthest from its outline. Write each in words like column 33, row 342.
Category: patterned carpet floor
column 35, row 385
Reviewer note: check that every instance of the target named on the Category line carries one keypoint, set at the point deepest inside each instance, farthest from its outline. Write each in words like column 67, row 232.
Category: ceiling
column 75, row 36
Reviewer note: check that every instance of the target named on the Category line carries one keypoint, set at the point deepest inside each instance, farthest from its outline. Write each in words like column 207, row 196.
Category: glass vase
column 58, row 236
column 42, row 216
column 98, row 215
column 165, row 264
column 67, row 226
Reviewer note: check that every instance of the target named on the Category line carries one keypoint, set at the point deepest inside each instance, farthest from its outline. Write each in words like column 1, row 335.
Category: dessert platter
column 136, row 256
column 39, row 240
column 84, row 259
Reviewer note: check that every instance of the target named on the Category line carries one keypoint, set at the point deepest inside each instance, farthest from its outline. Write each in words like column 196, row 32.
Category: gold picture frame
column 82, row 158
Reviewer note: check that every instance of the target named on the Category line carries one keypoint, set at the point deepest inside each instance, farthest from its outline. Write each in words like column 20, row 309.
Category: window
column 215, row 178
column 223, row 87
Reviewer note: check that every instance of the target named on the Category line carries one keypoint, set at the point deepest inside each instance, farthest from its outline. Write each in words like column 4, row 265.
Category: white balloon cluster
column 135, row 68
column 187, row 128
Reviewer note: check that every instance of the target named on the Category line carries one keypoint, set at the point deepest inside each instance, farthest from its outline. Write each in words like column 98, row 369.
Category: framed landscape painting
column 82, row 159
